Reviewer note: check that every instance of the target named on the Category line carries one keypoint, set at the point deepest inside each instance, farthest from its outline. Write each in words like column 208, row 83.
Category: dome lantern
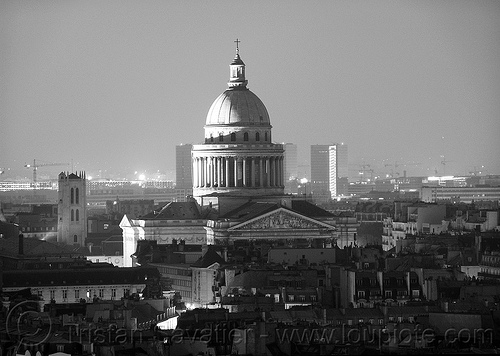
column 237, row 71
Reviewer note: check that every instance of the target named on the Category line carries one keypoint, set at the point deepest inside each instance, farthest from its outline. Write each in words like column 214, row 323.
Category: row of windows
column 184, row 293
column 40, row 228
column 181, row 283
column 175, row 271
column 246, row 137
column 77, row 295
column 300, row 298
column 389, row 294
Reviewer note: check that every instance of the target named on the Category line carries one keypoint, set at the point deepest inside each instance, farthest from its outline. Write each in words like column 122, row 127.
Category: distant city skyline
column 408, row 85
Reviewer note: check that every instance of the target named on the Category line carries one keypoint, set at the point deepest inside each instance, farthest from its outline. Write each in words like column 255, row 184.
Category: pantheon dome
column 237, row 110
column 238, row 156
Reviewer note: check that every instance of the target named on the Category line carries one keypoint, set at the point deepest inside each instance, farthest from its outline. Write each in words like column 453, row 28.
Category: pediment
column 282, row 219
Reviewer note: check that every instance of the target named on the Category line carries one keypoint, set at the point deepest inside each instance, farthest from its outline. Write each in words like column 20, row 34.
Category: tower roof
column 238, row 106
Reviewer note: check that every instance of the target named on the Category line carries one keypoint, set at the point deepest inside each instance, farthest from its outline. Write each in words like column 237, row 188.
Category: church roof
column 238, row 107
column 176, row 211
column 309, row 209
column 250, row 210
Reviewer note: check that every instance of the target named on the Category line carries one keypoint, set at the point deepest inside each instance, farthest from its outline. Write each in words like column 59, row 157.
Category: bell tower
column 72, row 209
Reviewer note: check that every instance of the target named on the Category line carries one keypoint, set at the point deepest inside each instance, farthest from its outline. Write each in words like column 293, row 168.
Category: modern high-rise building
column 342, row 170
column 183, row 167
column 320, row 172
column 329, row 171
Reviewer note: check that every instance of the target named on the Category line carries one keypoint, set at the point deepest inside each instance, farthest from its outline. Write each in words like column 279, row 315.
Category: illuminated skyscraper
column 329, row 171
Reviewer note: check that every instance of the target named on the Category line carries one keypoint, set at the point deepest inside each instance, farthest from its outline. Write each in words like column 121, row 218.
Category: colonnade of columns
column 238, row 171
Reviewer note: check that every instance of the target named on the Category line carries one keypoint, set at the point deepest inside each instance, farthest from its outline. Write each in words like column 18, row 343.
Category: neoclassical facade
column 238, row 157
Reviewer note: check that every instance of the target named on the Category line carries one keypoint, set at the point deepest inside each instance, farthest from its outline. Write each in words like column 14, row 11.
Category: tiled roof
column 250, row 210
column 208, row 259
column 32, row 248
column 309, row 209
column 80, row 276
column 176, row 211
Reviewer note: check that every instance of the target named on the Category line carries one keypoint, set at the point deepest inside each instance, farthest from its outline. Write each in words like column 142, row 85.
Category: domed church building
column 238, row 158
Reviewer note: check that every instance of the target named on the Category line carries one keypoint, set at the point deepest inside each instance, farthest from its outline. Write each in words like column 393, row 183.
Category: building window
column 265, row 136
column 77, row 196
column 113, row 293
column 388, row 294
column 301, row 298
column 77, row 215
column 101, row 293
column 65, row 294
column 72, row 215
column 221, row 137
column 75, row 238
column 233, row 136
column 361, row 294
column 415, row 293
column 291, row 298
column 72, row 196
column 245, row 136
column 257, row 136
column 52, row 295
column 77, row 294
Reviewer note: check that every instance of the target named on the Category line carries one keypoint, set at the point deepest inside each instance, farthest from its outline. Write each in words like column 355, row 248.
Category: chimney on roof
column 21, row 244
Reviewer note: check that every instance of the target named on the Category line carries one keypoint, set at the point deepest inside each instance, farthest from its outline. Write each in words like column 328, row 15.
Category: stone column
column 252, row 173
column 227, row 172
column 271, row 172
column 220, row 173
column 261, row 172
column 235, row 171
column 276, row 172
column 215, row 172
column 244, row 172
column 282, row 172
column 205, row 169
column 195, row 172
column 268, row 173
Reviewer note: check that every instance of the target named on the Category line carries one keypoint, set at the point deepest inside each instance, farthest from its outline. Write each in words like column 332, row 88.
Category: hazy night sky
column 115, row 85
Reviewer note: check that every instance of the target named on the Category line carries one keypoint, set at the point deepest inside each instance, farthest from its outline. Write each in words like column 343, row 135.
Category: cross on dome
column 237, row 46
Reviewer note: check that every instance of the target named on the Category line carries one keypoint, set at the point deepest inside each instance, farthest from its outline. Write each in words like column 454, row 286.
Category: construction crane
column 443, row 162
column 35, row 167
